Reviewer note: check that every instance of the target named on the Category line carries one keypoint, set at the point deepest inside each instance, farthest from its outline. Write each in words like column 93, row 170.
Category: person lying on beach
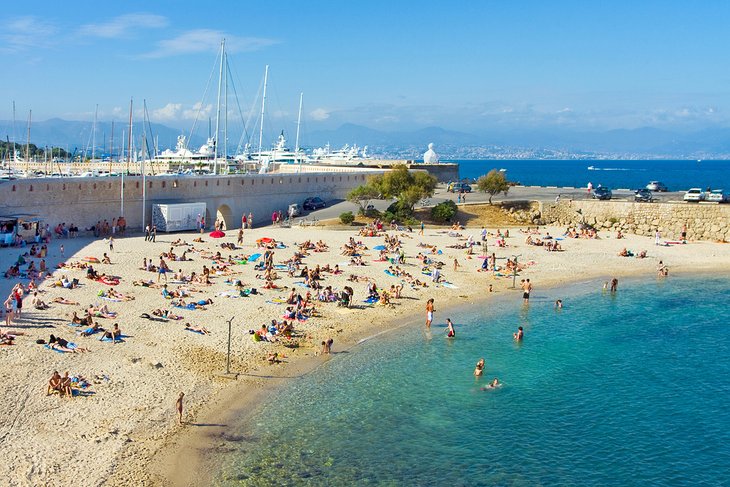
column 197, row 329
column 145, row 283
column 625, row 253
column 112, row 293
column 60, row 300
column 273, row 358
column 91, row 330
column 58, row 343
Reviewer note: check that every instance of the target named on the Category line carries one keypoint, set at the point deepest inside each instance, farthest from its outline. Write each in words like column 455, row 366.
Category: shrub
column 347, row 218
column 444, row 212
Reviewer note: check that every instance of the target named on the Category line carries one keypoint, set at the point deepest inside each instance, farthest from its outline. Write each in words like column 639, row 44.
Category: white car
column 694, row 194
column 717, row 196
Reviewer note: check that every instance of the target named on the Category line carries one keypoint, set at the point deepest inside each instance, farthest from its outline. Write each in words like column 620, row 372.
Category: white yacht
column 346, row 156
column 279, row 154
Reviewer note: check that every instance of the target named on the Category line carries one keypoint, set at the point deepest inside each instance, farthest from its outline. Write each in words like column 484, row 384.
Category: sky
column 472, row 66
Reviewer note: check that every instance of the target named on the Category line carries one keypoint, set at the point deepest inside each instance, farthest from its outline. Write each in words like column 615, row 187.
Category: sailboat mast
column 15, row 159
column 263, row 107
column 299, row 121
column 218, row 110
column 27, row 144
column 129, row 136
column 111, row 149
column 225, row 116
column 93, row 135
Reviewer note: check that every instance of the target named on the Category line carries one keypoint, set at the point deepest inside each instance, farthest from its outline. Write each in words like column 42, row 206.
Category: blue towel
column 195, row 331
column 254, row 257
column 120, row 338
column 389, row 273
column 379, row 247
column 371, row 300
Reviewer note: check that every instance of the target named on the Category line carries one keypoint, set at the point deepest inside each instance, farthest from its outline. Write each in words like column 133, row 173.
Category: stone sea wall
column 703, row 221
column 84, row 201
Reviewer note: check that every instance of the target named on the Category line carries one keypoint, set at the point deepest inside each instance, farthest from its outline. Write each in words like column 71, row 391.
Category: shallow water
column 625, row 389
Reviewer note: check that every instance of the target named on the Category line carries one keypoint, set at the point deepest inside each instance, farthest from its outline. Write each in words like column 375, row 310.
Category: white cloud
column 171, row 111
column 319, row 114
column 123, row 25
column 24, row 33
column 206, row 40
column 197, row 110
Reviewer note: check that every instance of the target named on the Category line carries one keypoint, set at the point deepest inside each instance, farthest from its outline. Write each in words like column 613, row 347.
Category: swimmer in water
column 479, row 369
column 451, row 333
column 492, row 385
column 559, row 304
column 519, row 335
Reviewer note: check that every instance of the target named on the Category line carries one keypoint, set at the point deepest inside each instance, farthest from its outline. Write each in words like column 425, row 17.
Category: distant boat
column 591, row 168
column 503, row 170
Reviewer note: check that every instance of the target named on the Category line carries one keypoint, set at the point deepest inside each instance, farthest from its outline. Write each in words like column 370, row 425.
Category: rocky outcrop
column 703, row 221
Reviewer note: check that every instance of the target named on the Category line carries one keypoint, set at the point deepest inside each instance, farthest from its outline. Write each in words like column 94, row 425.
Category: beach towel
column 54, row 349
column 119, row 339
column 372, row 300
column 113, row 300
column 277, row 301
column 195, row 331
column 93, row 260
column 379, row 247
column 449, row 285
column 301, row 284
column 189, row 306
column 389, row 273
column 108, row 281
column 254, row 257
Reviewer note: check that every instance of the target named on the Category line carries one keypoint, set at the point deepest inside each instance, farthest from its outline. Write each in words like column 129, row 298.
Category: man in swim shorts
column 526, row 289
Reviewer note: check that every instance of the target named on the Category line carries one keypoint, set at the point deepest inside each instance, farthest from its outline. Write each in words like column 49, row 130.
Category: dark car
column 602, row 193
column 461, row 188
column 313, row 203
column 643, row 196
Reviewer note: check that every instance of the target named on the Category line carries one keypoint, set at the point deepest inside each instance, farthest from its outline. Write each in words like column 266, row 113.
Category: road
column 516, row 193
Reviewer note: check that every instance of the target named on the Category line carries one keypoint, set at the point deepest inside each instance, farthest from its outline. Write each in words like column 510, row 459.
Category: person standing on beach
column 250, row 221
column 684, row 233
column 657, row 237
column 422, row 228
column 111, row 244
column 179, row 407
column 429, row 312
column 240, row 236
column 146, row 233
column 153, row 233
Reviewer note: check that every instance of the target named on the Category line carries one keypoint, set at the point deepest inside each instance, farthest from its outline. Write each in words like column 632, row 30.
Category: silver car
column 717, row 196
column 657, row 186
column 695, row 195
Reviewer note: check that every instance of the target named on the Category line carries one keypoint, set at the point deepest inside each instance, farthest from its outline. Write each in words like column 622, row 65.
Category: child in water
column 492, row 385
column 450, row 333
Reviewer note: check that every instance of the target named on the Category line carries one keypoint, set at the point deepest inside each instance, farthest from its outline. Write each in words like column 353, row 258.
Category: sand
column 125, row 431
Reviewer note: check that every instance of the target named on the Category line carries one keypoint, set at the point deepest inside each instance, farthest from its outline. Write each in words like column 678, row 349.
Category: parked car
column 602, row 193
column 460, row 188
column 717, row 196
column 694, row 194
column 643, row 196
column 314, row 203
column 657, row 186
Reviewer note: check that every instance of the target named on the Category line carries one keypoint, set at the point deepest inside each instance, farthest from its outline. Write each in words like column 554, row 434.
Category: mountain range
column 647, row 141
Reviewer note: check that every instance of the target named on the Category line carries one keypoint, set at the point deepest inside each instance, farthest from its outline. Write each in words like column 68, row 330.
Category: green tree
column 347, row 217
column 493, row 183
column 444, row 212
column 362, row 195
column 405, row 186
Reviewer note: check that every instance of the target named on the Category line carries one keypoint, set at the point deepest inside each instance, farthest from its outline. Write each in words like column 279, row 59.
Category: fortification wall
column 704, row 221
column 84, row 201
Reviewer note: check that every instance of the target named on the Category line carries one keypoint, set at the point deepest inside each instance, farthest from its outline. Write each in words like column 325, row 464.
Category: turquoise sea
column 625, row 174
column 612, row 390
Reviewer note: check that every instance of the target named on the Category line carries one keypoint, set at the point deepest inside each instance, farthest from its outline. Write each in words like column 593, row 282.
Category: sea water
column 621, row 174
column 631, row 388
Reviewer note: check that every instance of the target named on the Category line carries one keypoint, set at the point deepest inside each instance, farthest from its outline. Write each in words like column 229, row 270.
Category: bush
column 347, row 218
column 444, row 212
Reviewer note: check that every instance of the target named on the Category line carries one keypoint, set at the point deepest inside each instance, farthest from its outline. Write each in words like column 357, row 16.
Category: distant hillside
column 638, row 142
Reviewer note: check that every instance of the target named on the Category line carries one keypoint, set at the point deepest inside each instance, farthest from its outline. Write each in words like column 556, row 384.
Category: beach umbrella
column 265, row 240
column 217, row 234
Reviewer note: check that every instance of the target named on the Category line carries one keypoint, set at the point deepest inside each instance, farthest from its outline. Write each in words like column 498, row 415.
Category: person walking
column 429, row 312
column 179, row 407
column 153, row 233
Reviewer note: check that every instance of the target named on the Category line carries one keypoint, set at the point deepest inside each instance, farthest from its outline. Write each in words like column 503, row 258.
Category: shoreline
column 189, row 463
column 129, row 423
